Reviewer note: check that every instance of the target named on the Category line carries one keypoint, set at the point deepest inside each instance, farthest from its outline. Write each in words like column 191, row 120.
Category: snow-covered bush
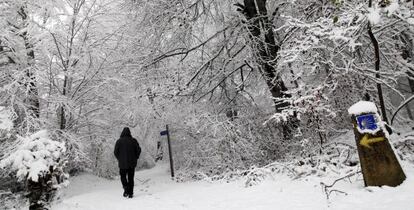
column 34, row 156
column 9, row 200
column 206, row 144
column 36, row 159
column 6, row 125
column 338, row 160
column 404, row 146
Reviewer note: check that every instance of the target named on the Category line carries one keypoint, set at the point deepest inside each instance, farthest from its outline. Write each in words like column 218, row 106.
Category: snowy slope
column 155, row 191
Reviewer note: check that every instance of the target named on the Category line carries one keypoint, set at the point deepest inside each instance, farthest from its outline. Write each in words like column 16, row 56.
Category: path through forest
column 154, row 190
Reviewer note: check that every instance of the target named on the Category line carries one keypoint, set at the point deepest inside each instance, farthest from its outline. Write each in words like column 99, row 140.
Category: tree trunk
column 33, row 98
column 263, row 39
column 377, row 69
column 62, row 112
column 266, row 50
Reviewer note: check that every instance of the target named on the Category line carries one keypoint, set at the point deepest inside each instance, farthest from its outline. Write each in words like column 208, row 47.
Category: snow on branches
column 36, row 155
column 6, row 122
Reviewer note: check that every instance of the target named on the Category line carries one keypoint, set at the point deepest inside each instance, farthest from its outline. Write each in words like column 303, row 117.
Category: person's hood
column 126, row 132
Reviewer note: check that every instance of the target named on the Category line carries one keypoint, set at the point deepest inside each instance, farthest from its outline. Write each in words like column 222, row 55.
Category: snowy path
column 158, row 193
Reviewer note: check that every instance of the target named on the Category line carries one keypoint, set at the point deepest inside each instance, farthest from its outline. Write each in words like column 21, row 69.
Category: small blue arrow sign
column 163, row 133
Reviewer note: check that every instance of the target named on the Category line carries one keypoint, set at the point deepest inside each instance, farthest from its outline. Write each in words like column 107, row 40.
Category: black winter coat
column 127, row 150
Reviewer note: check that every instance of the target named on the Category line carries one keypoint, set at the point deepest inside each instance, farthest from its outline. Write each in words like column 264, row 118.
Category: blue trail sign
column 367, row 122
column 163, row 133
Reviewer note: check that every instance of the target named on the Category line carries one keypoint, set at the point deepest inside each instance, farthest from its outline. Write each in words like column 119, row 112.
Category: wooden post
column 379, row 164
column 169, row 152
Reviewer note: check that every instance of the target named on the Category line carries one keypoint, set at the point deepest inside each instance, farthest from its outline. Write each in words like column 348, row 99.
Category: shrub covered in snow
column 35, row 156
column 337, row 160
column 37, row 159
column 213, row 145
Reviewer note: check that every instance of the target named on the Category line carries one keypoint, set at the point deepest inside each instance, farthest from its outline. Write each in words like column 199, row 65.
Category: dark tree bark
column 263, row 39
column 33, row 99
column 33, row 96
column 29, row 82
column 377, row 68
column 62, row 113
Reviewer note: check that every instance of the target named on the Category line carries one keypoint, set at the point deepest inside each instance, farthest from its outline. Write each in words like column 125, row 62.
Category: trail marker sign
column 163, row 133
column 367, row 122
column 167, row 133
column 379, row 164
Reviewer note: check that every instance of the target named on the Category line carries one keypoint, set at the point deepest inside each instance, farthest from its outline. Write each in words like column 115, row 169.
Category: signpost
column 163, row 133
column 379, row 164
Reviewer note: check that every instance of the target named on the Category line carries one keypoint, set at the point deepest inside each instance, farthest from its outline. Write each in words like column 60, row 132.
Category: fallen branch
column 328, row 191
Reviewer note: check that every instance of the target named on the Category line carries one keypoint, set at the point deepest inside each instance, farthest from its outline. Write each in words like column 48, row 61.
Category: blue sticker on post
column 367, row 122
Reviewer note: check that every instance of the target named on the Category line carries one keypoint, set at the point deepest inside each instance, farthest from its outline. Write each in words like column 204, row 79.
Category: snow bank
column 34, row 155
column 155, row 190
column 362, row 107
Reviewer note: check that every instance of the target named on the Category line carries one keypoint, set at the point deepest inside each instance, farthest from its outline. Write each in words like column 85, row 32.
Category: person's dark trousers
column 128, row 184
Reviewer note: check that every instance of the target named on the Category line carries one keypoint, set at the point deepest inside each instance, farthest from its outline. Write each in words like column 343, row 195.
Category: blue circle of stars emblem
column 367, row 122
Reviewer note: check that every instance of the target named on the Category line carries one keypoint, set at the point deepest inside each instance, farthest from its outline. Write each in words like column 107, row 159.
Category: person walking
column 127, row 152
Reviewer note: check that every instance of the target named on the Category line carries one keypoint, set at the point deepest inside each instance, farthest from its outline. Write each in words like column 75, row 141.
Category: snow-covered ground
column 154, row 190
